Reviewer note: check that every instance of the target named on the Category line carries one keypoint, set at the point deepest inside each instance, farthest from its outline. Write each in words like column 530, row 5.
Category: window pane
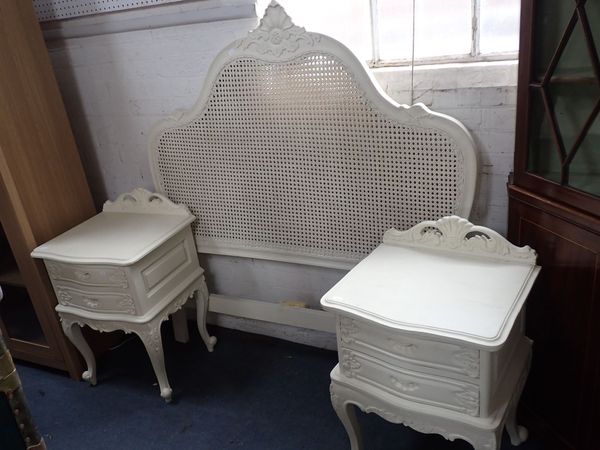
column 442, row 27
column 348, row 21
column 395, row 29
column 499, row 24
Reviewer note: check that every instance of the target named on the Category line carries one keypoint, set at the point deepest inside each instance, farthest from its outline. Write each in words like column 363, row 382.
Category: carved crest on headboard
column 277, row 34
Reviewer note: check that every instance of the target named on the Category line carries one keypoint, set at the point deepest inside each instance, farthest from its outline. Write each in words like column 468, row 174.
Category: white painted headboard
column 292, row 153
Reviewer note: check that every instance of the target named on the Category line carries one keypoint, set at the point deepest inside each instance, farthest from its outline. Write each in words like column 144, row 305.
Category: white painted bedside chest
column 128, row 268
column 430, row 333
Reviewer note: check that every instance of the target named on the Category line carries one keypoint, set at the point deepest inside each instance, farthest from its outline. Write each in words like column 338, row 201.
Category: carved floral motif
column 124, row 305
column 141, row 200
column 402, row 348
column 82, row 275
column 64, row 298
column 479, row 439
column 152, row 338
column 85, row 276
column 348, row 328
column 53, row 270
column 144, row 330
column 456, row 233
column 349, row 364
column 468, row 360
column 468, row 399
column 404, row 386
column 127, row 305
column 277, row 34
column 91, row 302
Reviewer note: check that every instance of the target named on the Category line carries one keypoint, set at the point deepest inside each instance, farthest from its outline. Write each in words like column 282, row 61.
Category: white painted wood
column 126, row 231
column 311, row 319
column 141, row 266
column 425, row 279
column 414, row 353
column 305, row 336
column 483, row 433
column 201, row 310
column 299, row 158
column 430, row 333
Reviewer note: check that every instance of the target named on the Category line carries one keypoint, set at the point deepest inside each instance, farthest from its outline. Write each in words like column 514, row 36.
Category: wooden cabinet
column 43, row 189
column 554, row 206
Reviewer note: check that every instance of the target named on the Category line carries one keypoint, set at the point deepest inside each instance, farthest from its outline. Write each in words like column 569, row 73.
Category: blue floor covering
column 253, row 392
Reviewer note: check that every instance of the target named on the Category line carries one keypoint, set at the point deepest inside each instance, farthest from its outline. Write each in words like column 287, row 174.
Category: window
column 381, row 31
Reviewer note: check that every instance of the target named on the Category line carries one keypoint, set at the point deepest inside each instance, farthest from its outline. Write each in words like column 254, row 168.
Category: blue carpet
column 253, row 392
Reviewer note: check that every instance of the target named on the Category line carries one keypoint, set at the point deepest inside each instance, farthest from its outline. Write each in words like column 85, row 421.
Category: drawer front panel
column 397, row 348
column 88, row 275
column 171, row 261
column 105, row 302
column 446, row 393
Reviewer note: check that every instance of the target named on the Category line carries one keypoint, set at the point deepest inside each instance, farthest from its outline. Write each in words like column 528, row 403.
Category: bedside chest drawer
column 168, row 264
column 442, row 392
column 105, row 302
column 88, row 275
column 397, row 348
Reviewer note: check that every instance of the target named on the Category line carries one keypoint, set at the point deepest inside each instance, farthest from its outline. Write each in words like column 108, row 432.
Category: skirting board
column 303, row 325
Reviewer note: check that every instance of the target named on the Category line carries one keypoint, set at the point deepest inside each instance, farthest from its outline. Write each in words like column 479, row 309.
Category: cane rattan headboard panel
column 292, row 153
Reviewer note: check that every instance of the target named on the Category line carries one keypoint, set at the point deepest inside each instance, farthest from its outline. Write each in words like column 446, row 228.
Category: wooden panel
column 592, row 435
column 36, row 142
column 562, row 314
column 43, row 190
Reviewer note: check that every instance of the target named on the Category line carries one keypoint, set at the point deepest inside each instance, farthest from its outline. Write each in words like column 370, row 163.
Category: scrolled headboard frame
column 293, row 152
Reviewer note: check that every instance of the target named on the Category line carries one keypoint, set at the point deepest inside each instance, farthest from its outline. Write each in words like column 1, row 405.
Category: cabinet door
column 563, row 312
column 558, row 137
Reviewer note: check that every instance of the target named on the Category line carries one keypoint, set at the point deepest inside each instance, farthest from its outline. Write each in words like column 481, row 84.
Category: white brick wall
column 483, row 97
column 117, row 85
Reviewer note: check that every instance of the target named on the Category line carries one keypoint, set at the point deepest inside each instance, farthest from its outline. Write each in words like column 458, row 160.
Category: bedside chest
column 128, row 268
column 430, row 333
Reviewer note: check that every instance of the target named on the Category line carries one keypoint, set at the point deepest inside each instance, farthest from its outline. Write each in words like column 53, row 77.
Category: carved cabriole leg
column 346, row 412
column 73, row 332
column 517, row 433
column 180, row 326
column 201, row 310
column 150, row 335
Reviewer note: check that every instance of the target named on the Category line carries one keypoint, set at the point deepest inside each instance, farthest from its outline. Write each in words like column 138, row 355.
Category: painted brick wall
column 483, row 98
column 116, row 86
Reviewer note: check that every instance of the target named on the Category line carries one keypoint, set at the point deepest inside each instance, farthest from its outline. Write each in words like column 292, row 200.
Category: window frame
column 473, row 56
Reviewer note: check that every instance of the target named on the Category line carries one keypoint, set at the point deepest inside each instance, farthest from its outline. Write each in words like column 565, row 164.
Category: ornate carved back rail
column 292, row 153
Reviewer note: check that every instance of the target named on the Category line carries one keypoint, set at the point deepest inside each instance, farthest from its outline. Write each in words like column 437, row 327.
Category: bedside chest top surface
column 121, row 235
column 465, row 297
column 112, row 238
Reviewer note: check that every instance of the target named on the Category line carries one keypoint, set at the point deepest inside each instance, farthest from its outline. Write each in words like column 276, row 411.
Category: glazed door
column 558, row 135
